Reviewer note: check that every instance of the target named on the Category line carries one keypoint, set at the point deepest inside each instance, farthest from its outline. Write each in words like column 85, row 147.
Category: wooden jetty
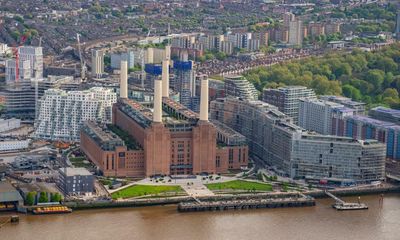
column 247, row 203
column 11, row 219
column 343, row 206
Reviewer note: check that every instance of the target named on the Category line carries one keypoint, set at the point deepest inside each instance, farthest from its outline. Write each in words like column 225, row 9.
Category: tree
column 386, row 64
column 220, row 56
column 30, row 198
column 351, row 92
column 55, row 197
column 342, row 69
column 390, row 93
column 43, row 197
column 375, row 77
column 320, row 84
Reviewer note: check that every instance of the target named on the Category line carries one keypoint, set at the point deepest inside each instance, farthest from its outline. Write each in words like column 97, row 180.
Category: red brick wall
column 118, row 163
column 204, row 148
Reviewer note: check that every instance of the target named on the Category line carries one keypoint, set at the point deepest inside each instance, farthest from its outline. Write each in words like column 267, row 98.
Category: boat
column 52, row 210
column 350, row 206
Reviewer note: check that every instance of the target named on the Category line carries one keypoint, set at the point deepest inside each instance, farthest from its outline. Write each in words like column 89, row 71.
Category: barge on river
column 52, row 210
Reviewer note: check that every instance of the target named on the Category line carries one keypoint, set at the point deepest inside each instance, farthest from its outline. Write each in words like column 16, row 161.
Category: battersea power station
column 162, row 137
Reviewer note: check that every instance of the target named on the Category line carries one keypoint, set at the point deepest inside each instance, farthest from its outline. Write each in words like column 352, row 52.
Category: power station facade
column 166, row 138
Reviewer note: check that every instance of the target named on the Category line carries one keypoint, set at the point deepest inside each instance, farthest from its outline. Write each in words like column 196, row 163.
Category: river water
column 322, row 222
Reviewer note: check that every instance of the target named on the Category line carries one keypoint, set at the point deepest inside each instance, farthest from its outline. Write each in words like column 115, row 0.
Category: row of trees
column 372, row 77
column 43, row 198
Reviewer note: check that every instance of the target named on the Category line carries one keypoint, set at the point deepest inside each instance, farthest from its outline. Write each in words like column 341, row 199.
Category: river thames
column 380, row 222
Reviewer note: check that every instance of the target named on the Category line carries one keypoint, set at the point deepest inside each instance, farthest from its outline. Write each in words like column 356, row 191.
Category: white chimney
column 123, row 80
column 204, row 100
column 157, row 110
column 168, row 52
column 165, row 78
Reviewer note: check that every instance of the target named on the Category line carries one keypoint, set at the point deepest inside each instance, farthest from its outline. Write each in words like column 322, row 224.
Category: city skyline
column 146, row 113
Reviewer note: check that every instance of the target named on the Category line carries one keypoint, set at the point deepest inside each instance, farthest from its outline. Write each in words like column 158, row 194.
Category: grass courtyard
column 145, row 190
column 79, row 162
column 240, row 185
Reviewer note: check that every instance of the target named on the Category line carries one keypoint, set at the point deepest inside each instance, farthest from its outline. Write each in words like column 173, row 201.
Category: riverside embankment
column 176, row 200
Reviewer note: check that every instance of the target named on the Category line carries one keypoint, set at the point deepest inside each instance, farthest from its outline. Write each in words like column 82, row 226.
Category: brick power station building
column 165, row 138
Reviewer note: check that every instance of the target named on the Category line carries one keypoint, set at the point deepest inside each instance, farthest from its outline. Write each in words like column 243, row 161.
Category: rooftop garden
column 130, row 142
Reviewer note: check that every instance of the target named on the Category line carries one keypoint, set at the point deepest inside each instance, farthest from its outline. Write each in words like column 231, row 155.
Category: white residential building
column 239, row 86
column 14, row 145
column 35, row 57
column 316, row 115
column 61, row 114
column 226, row 47
column 287, row 99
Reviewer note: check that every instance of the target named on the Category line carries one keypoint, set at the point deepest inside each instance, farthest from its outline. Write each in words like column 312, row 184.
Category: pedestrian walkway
column 198, row 189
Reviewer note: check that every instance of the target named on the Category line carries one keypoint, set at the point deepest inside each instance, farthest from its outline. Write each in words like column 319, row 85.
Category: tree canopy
column 373, row 77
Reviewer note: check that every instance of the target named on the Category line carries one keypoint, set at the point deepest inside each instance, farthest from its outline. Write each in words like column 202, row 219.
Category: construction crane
column 142, row 57
column 83, row 64
column 16, row 54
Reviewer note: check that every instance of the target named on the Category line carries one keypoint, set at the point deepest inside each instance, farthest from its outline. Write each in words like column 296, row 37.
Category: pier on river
column 267, row 201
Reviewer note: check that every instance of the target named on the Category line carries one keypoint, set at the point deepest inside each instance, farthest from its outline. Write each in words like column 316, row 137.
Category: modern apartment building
column 20, row 99
column 262, row 36
column 385, row 114
column 61, row 114
column 331, row 28
column 35, row 57
column 316, row 29
column 238, row 86
column 363, row 127
column 185, row 82
column 321, row 156
column 227, row 47
column 359, row 107
column 293, row 151
column 319, row 115
column 287, row 99
column 153, row 72
column 296, row 33
column 253, row 45
column 76, row 181
column 24, row 73
column 128, row 56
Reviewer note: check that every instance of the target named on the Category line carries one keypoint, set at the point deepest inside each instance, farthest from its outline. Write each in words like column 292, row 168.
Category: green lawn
column 141, row 190
column 79, row 162
column 240, row 185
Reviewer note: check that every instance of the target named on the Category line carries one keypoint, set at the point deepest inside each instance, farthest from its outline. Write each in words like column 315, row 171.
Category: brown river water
column 322, row 222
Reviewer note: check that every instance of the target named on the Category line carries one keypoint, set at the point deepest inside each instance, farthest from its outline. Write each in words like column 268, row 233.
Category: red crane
column 16, row 54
